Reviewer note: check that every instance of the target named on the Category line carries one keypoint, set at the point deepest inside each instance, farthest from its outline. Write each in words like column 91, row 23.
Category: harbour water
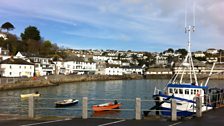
column 125, row 90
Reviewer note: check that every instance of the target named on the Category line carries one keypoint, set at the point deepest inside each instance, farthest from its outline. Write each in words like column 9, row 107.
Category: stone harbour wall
column 54, row 80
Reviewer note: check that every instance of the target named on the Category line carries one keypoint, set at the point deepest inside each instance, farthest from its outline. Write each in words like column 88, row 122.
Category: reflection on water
column 119, row 89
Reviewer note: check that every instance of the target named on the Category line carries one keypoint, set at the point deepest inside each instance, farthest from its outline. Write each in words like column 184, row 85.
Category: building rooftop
column 15, row 61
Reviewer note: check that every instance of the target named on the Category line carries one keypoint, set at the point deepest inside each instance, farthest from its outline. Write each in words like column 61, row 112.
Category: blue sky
column 140, row 25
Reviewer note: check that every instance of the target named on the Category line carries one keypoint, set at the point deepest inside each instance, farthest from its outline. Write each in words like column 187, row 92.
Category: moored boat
column 184, row 87
column 106, row 106
column 28, row 95
column 66, row 102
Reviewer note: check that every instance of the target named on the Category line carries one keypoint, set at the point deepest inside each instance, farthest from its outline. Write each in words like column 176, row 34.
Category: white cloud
column 125, row 20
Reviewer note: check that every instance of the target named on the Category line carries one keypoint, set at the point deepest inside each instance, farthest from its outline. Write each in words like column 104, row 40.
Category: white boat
column 66, row 102
column 28, row 95
column 183, row 87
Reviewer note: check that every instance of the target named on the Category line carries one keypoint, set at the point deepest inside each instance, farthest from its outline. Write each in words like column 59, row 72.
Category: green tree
column 183, row 52
column 33, row 46
column 104, row 53
column 170, row 50
column 31, row 32
column 7, row 26
column 46, row 48
column 134, row 57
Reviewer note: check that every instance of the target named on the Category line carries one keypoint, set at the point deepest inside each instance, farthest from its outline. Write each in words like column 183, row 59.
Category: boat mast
column 187, row 65
column 188, row 61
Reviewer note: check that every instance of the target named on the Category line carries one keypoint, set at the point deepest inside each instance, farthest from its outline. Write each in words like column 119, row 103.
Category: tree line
column 30, row 42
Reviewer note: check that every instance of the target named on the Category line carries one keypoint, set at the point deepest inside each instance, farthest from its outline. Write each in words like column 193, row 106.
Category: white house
column 112, row 53
column 140, row 55
column 43, row 66
column 19, row 55
column 114, row 61
column 212, row 59
column 125, row 63
column 4, row 54
column 75, row 66
column 212, row 51
column 103, row 58
column 100, row 66
column 126, row 58
column 59, row 67
column 113, row 70
column 100, row 58
column 132, row 70
column 167, row 53
column 199, row 54
column 152, row 71
column 3, row 36
column 16, row 68
column 161, row 60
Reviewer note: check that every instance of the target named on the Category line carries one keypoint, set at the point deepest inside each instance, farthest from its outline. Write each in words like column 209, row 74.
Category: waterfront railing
column 36, row 107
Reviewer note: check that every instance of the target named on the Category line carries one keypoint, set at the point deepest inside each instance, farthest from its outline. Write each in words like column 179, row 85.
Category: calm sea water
column 124, row 90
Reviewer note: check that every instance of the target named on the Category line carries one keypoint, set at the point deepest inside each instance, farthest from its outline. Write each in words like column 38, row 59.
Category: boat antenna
column 188, row 59
column 194, row 16
column 187, row 63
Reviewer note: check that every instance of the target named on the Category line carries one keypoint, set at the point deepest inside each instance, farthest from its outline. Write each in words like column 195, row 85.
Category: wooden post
column 173, row 110
column 31, row 107
column 84, row 107
column 198, row 107
column 138, row 109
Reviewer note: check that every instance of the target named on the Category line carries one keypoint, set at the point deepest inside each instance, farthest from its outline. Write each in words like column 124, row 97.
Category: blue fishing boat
column 184, row 86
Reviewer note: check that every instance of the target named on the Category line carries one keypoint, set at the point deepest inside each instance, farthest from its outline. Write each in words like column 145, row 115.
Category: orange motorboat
column 106, row 106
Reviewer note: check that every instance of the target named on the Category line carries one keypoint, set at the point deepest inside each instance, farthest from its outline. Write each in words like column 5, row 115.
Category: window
column 20, row 67
column 176, row 91
column 24, row 67
column 10, row 67
column 192, row 91
column 171, row 90
column 180, row 91
column 10, row 73
column 186, row 91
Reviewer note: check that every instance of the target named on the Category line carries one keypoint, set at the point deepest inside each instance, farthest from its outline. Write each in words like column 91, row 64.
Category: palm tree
column 8, row 26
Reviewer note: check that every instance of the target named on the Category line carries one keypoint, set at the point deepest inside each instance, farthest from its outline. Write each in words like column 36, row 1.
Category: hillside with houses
column 30, row 60
column 101, row 62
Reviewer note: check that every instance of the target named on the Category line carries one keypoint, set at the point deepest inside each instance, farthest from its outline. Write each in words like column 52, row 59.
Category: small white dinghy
column 66, row 102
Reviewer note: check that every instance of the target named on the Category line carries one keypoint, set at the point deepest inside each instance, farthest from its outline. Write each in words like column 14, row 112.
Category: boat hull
column 167, row 112
column 105, row 108
column 29, row 95
column 184, row 107
column 65, row 104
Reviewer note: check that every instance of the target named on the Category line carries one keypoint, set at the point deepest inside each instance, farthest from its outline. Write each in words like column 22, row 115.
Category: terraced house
column 16, row 68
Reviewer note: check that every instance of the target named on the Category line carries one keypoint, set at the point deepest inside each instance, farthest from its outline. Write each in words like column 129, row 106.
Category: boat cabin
column 187, row 91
